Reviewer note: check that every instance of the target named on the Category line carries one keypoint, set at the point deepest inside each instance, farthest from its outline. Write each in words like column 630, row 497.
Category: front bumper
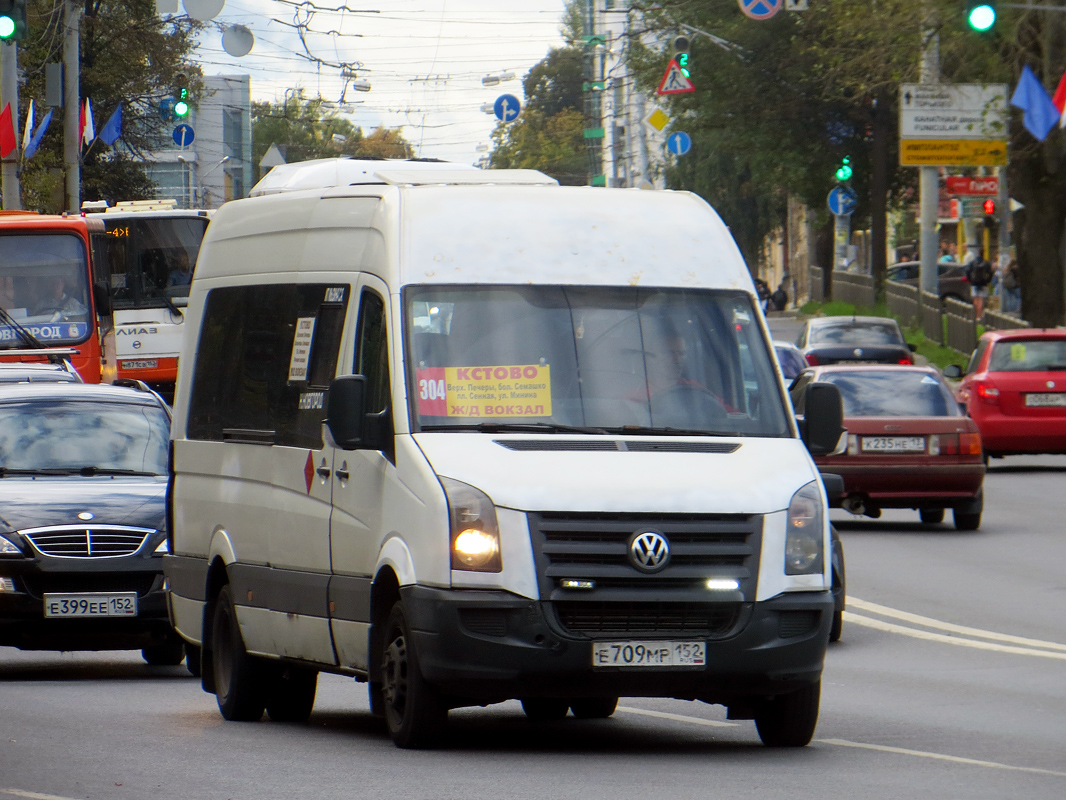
column 488, row 646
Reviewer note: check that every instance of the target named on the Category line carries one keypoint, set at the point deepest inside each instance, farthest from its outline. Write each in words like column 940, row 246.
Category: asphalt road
column 950, row 682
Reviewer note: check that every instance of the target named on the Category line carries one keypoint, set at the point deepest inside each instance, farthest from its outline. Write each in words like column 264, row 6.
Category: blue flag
column 35, row 140
column 112, row 128
column 1030, row 96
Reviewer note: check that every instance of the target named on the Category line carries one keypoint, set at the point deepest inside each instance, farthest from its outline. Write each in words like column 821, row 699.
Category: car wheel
column 193, row 654
column 594, row 707
column 545, row 709
column 931, row 516
column 164, row 655
column 415, row 714
column 968, row 517
column 789, row 720
column 239, row 677
column 290, row 694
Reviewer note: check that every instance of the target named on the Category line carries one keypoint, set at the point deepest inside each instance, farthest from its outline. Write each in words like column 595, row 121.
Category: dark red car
column 909, row 444
column 1014, row 388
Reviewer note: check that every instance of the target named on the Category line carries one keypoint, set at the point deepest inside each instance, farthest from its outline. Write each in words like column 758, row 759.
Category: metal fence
column 817, row 285
column 961, row 325
column 854, row 288
column 902, row 302
column 932, row 322
column 998, row 321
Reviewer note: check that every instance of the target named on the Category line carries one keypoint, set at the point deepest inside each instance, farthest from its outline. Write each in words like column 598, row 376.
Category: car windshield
column 1028, row 355
column 791, row 360
column 43, row 288
column 83, row 435
column 545, row 357
column 856, row 333
column 893, row 393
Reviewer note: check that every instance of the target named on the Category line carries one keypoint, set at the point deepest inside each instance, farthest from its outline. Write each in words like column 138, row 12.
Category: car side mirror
column 953, row 371
column 823, row 419
column 913, row 347
column 349, row 424
column 102, row 299
column 834, row 487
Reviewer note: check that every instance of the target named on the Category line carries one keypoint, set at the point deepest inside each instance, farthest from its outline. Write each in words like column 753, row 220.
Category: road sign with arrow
column 948, row 124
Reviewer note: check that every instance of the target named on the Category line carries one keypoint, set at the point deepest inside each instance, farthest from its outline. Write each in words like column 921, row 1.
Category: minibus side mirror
column 345, row 411
column 834, row 487
column 102, row 299
column 952, row 371
column 823, row 420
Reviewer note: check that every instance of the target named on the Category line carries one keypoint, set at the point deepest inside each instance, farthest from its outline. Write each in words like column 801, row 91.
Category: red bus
column 48, row 311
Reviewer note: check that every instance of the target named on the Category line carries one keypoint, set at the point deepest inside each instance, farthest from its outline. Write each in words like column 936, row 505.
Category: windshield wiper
column 87, row 471
column 24, row 334
column 1055, row 367
column 515, row 427
column 648, row 430
column 162, row 293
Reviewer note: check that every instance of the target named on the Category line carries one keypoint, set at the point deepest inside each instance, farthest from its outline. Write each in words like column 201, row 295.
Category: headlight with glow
column 805, row 532
column 162, row 549
column 9, row 548
column 475, row 535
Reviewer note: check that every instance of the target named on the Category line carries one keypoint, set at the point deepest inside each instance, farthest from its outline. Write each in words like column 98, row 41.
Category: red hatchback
column 909, row 445
column 1014, row 388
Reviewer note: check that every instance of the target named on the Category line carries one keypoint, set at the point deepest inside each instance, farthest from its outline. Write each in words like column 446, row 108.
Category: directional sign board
column 760, row 9
column 953, row 124
column 842, row 201
column 679, row 143
column 960, row 185
column 674, row 80
column 183, row 135
column 506, row 107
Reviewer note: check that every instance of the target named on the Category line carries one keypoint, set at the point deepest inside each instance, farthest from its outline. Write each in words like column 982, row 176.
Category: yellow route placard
column 952, row 153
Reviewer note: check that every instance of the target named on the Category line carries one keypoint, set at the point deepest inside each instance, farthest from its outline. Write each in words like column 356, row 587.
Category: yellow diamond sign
column 657, row 120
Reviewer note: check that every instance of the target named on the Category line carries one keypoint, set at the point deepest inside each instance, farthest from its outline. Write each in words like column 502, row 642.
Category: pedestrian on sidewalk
column 979, row 273
column 1012, row 288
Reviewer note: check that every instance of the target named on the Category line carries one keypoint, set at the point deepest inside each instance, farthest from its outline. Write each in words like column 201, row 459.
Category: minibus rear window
column 592, row 357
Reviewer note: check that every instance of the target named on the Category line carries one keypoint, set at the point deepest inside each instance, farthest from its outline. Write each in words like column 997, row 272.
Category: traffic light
column 989, row 207
column 12, row 20
column 981, row 16
column 844, row 171
column 681, row 56
column 181, row 95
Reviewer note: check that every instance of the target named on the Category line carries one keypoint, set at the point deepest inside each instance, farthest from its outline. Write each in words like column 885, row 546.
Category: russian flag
column 1059, row 99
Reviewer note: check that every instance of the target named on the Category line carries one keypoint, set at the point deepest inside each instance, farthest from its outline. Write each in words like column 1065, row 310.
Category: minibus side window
column 372, row 356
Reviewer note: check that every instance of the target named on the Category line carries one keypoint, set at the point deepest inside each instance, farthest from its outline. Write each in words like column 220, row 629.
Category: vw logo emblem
column 649, row 551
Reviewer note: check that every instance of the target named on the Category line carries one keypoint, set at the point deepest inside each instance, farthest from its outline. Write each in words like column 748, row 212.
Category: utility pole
column 9, row 95
column 593, row 86
column 929, row 177
column 72, row 104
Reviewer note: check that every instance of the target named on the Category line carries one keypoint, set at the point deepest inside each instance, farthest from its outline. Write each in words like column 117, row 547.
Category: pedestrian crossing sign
column 674, row 80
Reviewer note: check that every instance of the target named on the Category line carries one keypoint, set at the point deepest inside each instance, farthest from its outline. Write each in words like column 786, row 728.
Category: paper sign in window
column 505, row 391
column 301, row 348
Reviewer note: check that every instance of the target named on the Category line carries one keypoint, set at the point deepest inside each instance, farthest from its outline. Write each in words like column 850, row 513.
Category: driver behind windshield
column 53, row 299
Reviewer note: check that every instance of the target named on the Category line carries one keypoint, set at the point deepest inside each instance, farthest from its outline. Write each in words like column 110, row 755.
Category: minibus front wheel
column 415, row 714
column 239, row 678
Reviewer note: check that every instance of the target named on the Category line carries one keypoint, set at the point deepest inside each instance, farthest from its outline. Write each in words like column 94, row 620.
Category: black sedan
column 83, row 476
column 854, row 340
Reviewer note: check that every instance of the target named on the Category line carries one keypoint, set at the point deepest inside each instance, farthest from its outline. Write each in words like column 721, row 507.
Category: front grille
column 486, row 621
column 70, row 541
column 709, row 620
column 78, row 582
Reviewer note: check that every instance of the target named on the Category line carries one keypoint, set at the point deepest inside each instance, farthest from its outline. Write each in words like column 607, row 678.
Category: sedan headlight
column 805, row 532
column 9, row 548
column 162, row 549
column 475, row 536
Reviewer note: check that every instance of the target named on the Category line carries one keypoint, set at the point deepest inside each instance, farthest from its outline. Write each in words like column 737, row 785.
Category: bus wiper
column 162, row 293
column 24, row 334
column 648, row 430
column 515, row 427
column 87, row 471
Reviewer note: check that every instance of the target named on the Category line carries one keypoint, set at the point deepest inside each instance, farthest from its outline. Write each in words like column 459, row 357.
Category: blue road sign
column 842, row 200
column 679, row 143
column 760, row 9
column 506, row 107
column 183, row 135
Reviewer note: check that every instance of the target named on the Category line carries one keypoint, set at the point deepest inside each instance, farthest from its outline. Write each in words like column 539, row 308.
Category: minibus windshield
column 44, row 289
column 607, row 359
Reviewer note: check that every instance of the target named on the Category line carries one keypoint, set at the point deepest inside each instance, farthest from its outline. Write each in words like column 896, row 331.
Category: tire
column 290, row 694
column 239, row 677
column 164, row 655
column 836, row 629
column 593, row 707
column 193, row 654
column 839, row 586
column 931, row 516
column 545, row 709
column 789, row 720
column 968, row 517
column 415, row 713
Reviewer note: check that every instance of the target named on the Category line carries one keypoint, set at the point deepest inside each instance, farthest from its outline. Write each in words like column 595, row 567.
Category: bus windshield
column 149, row 261
column 44, row 289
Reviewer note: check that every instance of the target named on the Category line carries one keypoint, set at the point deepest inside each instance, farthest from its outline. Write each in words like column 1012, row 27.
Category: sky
column 424, row 59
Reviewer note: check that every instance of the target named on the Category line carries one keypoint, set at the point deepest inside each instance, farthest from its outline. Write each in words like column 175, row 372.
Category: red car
column 1014, row 388
column 909, row 444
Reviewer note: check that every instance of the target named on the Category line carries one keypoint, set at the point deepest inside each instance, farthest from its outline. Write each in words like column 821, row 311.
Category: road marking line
column 33, row 795
column 940, row 757
column 929, row 622
column 710, row 723
column 870, row 622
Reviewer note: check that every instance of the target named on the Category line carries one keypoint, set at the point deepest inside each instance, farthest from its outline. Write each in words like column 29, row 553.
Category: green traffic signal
column 981, row 17
column 7, row 27
column 181, row 108
column 682, row 63
column 844, row 171
column 12, row 20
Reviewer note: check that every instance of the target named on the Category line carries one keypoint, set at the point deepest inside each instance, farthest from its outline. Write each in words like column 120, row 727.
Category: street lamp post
column 206, row 192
